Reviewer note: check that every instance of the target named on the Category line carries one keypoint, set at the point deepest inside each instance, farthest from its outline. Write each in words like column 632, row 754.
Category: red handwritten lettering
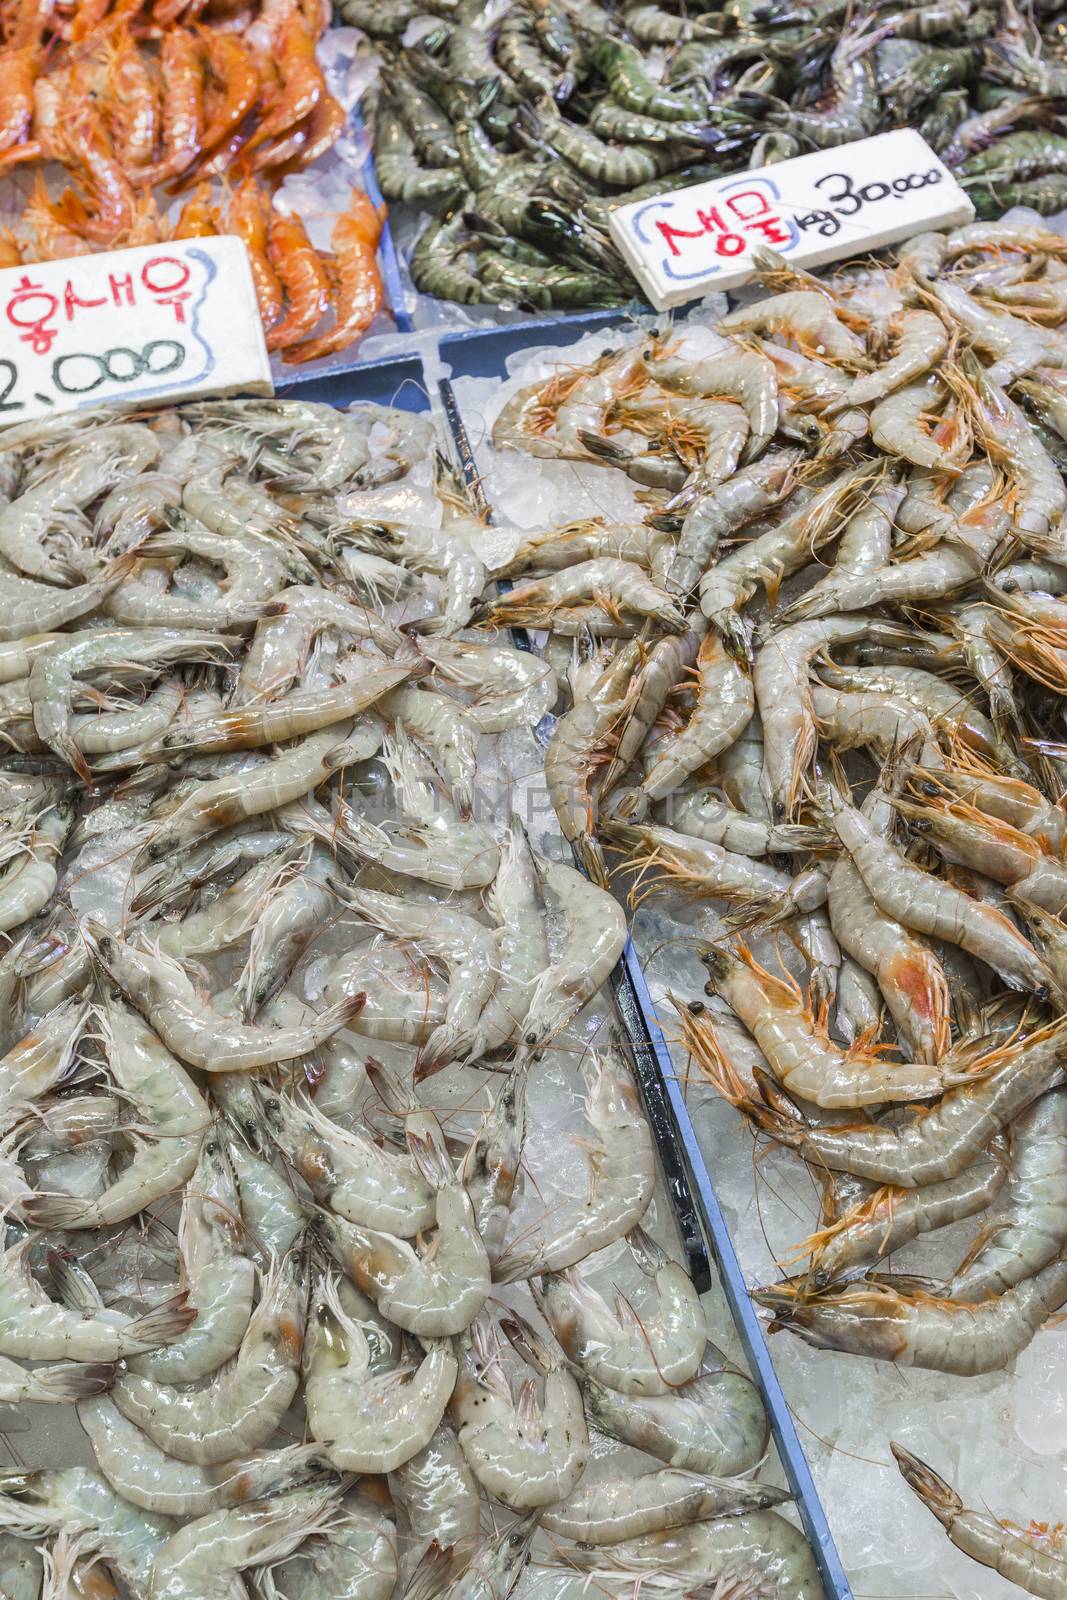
column 670, row 234
column 29, row 308
column 71, row 301
column 159, row 278
column 730, row 244
column 748, row 204
column 120, row 287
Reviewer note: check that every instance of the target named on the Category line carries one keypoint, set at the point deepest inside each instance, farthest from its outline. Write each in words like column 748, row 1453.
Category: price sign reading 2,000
column 82, row 372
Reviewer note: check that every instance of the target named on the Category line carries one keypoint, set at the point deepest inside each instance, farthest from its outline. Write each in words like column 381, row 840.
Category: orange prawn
column 53, row 238
column 10, row 249
column 182, row 73
column 133, row 107
column 318, row 134
column 18, row 69
column 307, row 287
column 82, row 143
column 198, row 218
column 249, row 217
column 359, row 285
column 301, row 85
column 232, row 65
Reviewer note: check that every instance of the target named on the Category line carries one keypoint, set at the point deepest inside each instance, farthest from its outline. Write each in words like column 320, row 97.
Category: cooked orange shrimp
column 181, row 71
column 302, row 275
column 82, row 143
column 232, row 65
column 133, row 102
column 18, row 69
column 301, row 83
column 248, row 216
column 199, row 216
column 319, row 133
column 359, row 285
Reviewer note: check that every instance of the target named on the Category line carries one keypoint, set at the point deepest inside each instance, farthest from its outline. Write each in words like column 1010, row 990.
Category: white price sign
column 813, row 209
column 176, row 319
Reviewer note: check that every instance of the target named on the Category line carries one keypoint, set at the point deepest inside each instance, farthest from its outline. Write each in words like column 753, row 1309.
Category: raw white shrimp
column 524, row 1453
column 595, row 934
column 1033, row 1557
column 910, row 424
column 614, row 1509
column 440, row 850
column 433, row 1293
column 695, row 866
column 75, row 1500
column 606, row 588
column 270, row 1211
column 353, row 1558
column 929, row 906
column 513, row 688
column 28, row 608
column 800, row 1052
column 443, row 551
column 754, row 490
column 227, row 919
column 806, row 317
column 280, row 645
column 42, row 530
column 347, row 1171
column 491, row 1573
column 300, row 712
column 34, row 1327
column 879, row 720
column 723, row 707
column 17, row 656
column 255, row 574
column 1038, row 495
column 295, row 910
column 446, row 731
column 490, row 1168
column 366, row 1421
column 468, row 948
column 921, row 342
column 909, row 975
column 580, row 740
column 631, row 1352
column 705, row 814
column 774, row 555
column 243, row 1403
column 214, row 1270
column 52, row 1385
column 439, row 1494
column 1032, row 1228
column 29, row 882
column 220, row 802
column 53, row 676
column 202, row 1560
column 760, row 1541
column 514, row 902
column 42, row 1058
column 622, row 1180
column 147, row 1477
column 168, row 1119
column 781, row 679
column 733, row 374
column 160, row 989
column 406, row 1000
column 1017, row 347
column 914, row 1325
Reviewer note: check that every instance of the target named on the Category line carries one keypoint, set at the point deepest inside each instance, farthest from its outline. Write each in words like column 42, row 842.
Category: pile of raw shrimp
column 125, row 100
column 325, row 1220
column 823, row 700
column 524, row 123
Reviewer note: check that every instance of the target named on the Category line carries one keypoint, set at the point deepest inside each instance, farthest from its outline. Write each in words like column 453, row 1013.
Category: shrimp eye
column 272, row 1104
column 696, row 1007
column 211, row 1149
column 930, row 788
column 1010, row 585
column 920, row 825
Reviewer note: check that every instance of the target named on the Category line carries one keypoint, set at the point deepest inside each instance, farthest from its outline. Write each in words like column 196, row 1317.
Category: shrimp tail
column 591, row 856
column 432, row 1572
column 527, row 1342
column 75, row 1382
column 936, row 1495
column 164, row 1322
column 58, row 1211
